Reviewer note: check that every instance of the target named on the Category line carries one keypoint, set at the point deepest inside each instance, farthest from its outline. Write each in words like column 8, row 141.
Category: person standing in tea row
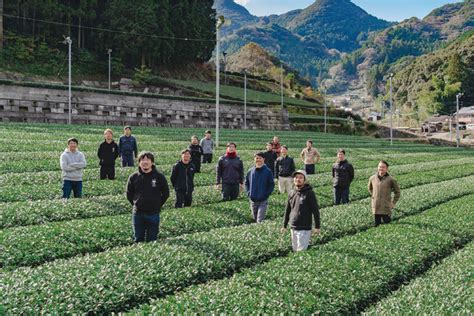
column 127, row 147
column 108, row 152
column 73, row 163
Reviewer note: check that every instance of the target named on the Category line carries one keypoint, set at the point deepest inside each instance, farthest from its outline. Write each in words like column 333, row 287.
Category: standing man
column 207, row 145
column 196, row 153
column 72, row 163
column 342, row 176
column 230, row 174
column 381, row 186
column 259, row 184
column 284, row 168
column 270, row 158
column 147, row 191
column 182, row 178
column 127, row 147
column 301, row 205
column 276, row 146
column 310, row 156
column 108, row 152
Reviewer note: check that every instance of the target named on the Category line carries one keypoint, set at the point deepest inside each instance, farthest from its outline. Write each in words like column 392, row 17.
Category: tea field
column 78, row 256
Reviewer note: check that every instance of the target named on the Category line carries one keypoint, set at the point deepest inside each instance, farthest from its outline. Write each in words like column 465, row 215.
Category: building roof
column 467, row 110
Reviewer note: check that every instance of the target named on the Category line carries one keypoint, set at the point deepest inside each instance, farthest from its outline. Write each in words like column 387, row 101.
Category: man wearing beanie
column 259, row 184
column 230, row 174
column 301, row 208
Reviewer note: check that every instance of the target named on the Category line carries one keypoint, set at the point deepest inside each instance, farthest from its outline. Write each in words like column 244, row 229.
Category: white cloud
column 242, row 2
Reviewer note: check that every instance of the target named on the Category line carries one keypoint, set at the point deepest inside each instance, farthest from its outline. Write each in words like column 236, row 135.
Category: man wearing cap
column 127, row 147
column 147, row 191
column 182, row 178
column 259, row 184
column 301, row 208
column 230, row 174
column 284, row 167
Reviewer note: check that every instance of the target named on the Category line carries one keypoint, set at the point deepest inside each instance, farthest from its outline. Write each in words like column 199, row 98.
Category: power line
column 109, row 30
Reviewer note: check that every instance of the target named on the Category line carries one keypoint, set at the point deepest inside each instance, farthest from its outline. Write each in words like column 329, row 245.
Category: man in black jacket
column 301, row 207
column 147, row 191
column 342, row 176
column 284, row 168
column 270, row 158
column 182, row 178
column 108, row 152
column 230, row 174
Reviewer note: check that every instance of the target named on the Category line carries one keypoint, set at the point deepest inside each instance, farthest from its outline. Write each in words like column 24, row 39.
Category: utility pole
column 245, row 99
column 391, row 111
column 224, row 55
column 220, row 21
column 68, row 41
column 325, row 114
column 281, row 76
column 1, row 24
column 458, row 139
column 109, row 51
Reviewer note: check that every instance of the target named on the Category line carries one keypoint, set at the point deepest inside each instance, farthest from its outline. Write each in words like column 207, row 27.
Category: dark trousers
column 183, row 199
column 341, row 195
column 230, row 192
column 145, row 226
column 127, row 160
column 206, row 158
column 310, row 169
column 75, row 186
column 107, row 172
column 197, row 164
column 382, row 218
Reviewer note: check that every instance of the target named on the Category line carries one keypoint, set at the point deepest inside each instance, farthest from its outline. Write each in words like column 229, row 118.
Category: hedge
column 121, row 278
column 341, row 277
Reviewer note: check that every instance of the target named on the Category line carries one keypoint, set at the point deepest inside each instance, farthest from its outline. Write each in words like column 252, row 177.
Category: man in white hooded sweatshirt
column 72, row 163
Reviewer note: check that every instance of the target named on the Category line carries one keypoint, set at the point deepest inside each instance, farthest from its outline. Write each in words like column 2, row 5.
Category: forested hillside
column 149, row 33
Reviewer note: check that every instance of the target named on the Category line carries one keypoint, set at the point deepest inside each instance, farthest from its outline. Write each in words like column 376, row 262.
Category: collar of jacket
column 153, row 170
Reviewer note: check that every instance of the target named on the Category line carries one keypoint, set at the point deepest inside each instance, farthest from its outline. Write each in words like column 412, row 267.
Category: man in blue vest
column 127, row 147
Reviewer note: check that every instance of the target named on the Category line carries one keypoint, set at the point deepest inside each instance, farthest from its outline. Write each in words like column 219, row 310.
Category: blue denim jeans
column 75, row 186
column 127, row 160
column 145, row 226
column 341, row 195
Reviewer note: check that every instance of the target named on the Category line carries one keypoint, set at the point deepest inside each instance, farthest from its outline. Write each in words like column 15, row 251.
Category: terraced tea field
column 78, row 256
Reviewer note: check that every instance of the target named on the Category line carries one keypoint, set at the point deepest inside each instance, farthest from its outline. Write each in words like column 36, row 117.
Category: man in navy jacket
column 259, row 184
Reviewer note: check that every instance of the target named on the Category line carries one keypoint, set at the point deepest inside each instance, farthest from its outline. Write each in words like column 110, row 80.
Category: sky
column 390, row 10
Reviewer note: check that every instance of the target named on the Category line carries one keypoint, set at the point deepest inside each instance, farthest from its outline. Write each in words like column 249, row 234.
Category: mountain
column 429, row 83
column 291, row 48
column 400, row 43
column 258, row 62
column 310, row 39
column 236, row 15
column 338, row 24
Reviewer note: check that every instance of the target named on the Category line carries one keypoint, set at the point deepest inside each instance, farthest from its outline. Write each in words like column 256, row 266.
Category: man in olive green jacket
column 381, row 186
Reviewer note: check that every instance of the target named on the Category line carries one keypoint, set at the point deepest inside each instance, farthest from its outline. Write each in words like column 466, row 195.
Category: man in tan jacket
column 310, row 156
column 381, row 186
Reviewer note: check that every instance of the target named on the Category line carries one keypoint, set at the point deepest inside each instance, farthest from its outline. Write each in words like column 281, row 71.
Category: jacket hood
column 307, row 187
column 70, row 152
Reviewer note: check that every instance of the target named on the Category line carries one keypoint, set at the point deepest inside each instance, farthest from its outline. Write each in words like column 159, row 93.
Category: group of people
column 147, row 189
